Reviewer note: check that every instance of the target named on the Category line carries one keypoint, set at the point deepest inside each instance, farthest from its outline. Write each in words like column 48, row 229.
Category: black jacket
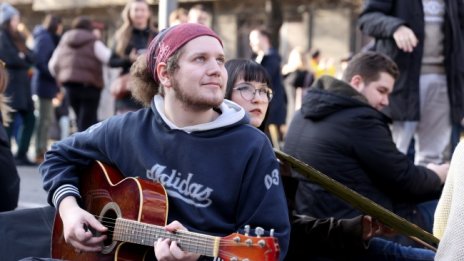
column 9, row 178
column 381, row 18
column 19, row 84
column 278, row 105
column 340, row 134
column 328, row 237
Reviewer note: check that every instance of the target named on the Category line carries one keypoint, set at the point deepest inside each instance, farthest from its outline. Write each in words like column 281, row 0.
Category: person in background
column 106, row 104
column 9, row 178
column 425, row 39
column 269, row 58
column 182, row 78
column 247, row 85
column 61, row 108
column 198, row 14
column 448, row 224
column 77, row 65
column 178, row 16
column 44, row 85
column 19, row 61
column 131, row 40
column 341, row 131
column 298, row 77
column 321, row 65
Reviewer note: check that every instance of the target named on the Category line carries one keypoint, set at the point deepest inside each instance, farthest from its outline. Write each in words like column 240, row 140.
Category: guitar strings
column 198, row 238
column 207, row 247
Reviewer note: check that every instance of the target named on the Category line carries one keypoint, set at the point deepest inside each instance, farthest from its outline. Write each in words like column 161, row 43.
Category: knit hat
column 171, row 39
column 6, row 12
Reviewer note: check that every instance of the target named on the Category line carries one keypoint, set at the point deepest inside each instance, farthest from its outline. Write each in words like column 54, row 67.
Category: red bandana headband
column 171, row 39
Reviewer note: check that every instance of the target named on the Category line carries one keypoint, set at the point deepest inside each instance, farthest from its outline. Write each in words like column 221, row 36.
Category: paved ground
column 31, row 192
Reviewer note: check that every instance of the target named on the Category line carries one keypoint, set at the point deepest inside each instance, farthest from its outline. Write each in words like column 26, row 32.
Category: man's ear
column 163, row 75
column 357, row 82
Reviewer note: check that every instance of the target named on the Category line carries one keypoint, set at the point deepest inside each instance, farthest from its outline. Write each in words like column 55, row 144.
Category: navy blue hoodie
column 43, row 83
column 228, row 169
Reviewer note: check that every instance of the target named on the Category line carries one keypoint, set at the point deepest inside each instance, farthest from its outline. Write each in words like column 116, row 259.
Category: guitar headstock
column 239, row 247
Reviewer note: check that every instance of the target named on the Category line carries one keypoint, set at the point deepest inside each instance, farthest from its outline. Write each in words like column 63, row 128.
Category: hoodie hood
column 231, row 114
column 329, row 95
column 76, row 38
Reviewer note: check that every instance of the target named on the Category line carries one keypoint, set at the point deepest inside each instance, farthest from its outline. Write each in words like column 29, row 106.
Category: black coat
column 43, row 83
column 278, row 105
column 328, row 237
column 9, row 178
column 381, row 18
column 19, row 84
column 340, row 134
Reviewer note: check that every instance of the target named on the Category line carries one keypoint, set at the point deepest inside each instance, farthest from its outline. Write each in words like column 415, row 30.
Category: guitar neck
column 131, row 231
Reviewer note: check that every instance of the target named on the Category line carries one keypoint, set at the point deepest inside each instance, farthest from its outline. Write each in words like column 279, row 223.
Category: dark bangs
column 247, row 70
column 254, row 72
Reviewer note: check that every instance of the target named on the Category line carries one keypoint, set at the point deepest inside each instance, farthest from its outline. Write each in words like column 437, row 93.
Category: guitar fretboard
column 131, row 231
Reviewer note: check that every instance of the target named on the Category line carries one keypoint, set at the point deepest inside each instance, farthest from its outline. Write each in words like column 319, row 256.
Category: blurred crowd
column 376, row 121
column 64, row 87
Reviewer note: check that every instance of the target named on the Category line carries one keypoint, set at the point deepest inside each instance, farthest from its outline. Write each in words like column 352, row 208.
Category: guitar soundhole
column 108, row 215
column 109, row 220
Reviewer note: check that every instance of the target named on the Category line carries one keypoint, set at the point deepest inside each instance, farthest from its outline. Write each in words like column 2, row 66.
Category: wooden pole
column 365, row 205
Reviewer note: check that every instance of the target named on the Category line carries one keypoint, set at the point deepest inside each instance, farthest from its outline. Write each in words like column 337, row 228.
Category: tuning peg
column 259, row 231
column 271, row 232
column 247, row 230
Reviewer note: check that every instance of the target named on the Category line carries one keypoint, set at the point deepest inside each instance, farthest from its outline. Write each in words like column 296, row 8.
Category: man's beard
column 194, row 102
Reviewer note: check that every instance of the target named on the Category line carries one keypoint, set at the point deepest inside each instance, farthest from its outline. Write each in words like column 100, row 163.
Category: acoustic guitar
column 135, row 212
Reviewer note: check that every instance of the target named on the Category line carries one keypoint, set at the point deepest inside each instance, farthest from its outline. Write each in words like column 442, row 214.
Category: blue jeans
column 421, row 214
column 381, row 249
column 427, row 210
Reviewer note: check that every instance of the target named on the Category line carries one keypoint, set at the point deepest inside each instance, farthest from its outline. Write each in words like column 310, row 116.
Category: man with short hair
column 220, row 174
column 341, row 131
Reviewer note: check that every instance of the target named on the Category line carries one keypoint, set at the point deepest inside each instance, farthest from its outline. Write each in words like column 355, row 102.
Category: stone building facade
column 328, row 25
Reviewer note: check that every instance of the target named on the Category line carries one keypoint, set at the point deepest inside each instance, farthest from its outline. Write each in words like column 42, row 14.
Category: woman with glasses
column 248, row 85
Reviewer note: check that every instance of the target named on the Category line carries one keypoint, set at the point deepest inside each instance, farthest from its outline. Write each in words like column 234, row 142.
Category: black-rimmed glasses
column 248, row 92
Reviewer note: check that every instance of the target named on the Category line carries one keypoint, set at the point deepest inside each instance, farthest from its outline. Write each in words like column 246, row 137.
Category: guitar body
column 108, row 195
